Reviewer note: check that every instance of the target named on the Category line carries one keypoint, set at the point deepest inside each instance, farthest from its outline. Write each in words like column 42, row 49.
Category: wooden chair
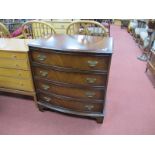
column 4, row 32
column 86, row 27
column 37, row 29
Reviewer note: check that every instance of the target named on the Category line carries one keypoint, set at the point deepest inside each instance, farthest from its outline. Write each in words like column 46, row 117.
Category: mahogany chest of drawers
column 70, row 73
column 15, row 73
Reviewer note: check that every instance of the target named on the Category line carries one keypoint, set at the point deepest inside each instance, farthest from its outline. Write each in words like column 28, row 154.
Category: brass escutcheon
column 45, row 87
column 43, row 73
column 92, row 63
column 90, row 94
column 41, row 57
column 47, row 98
column 89, row 107
column 90, row 80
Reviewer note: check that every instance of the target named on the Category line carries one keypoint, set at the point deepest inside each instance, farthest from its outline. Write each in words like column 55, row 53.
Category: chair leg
column 146, row 69
column 41, row 108
column 35, row 99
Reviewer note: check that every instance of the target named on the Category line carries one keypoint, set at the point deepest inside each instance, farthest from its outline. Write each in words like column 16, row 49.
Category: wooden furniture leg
column 99, row 119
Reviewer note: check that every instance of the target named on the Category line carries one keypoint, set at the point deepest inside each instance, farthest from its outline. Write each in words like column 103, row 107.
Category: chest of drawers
column 70, row 73
column 15, row 73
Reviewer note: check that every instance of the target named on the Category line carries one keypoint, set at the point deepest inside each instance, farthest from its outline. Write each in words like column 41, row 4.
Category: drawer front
column 13, row 55
column 71, row 91
column 71, row 78
column 72, row 61
column 16, row 73
column 71, row 105
column 10, row 63
column 13, row 83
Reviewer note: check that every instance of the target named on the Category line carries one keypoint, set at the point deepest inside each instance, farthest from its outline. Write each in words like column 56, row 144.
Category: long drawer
column 13, row 55
column 15, row 83
column 70, row 104
column 82, row 62
column 70, row 77
column 16, row 73
column 11, row 63
column 83, row 93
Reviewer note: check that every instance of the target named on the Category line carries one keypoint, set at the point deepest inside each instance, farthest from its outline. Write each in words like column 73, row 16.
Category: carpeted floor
column 130, row 106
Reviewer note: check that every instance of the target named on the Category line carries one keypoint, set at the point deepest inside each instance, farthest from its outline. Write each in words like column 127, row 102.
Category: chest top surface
column 14, row 45
column 75, row 43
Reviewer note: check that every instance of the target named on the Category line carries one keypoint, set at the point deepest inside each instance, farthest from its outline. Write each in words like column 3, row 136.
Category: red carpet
column 130, row 106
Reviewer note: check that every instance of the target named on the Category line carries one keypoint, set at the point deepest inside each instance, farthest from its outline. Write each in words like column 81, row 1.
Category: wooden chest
column 70, row 73
column 15, row 73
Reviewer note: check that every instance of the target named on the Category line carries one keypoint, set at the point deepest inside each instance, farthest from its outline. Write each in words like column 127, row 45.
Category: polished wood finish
column 78, row 62
column 71, row 77
column 70, row 104
column 75, row 44
column 15, row 73
column 65, row 90
column 46, row 106
column 70, row 73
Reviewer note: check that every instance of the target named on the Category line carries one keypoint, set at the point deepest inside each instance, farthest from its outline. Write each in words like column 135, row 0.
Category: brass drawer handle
column 43, row 73
column 47, row 98
column 91, row 80
column 89, row 107
column 92, row 63
column 41, row 57
column 45, row 87
column 90, row 94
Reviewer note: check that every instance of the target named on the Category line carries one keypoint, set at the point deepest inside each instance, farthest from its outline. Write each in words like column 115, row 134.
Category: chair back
column 4, row 32
column 86, row 27
column 37, row 29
